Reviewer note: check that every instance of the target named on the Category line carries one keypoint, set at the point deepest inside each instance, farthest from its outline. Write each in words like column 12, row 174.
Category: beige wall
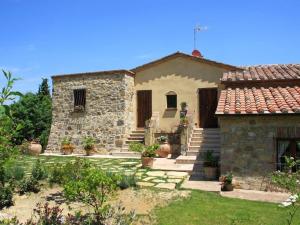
column 182, row 76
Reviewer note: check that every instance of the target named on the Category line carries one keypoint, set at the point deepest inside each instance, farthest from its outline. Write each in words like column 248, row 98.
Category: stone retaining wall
column 248, row 145
column 108, row 116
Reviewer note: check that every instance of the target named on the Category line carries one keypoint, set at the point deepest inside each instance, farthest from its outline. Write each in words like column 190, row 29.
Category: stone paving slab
column 156, row 173
column 170, row 186
column 145, row 184
column 212, row 186
column 263, row 196
column 177, row 174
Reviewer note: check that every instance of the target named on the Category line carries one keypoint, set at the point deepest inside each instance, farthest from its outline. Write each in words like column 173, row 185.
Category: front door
column 144, row 107
column 208, row 100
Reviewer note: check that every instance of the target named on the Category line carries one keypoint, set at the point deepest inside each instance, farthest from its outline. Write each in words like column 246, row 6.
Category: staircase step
column 201, row 138
column 132, row 141
column 136, row 138
column 183, row 159
column 138, row 132
column 204, row 145
column 201, row 153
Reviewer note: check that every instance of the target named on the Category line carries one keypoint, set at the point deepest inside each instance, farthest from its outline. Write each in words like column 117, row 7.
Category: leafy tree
column 33, row 112
column 44, row 88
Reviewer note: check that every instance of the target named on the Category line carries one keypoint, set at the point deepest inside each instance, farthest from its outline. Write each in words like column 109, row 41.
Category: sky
column 41, row 38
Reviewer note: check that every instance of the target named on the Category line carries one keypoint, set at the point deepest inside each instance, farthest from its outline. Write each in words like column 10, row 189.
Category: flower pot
column 210, row 173
column 67, row 149
column 147, row 162
column 34, row 148
column 89, row 151
column 164, row 150
column 227, row 187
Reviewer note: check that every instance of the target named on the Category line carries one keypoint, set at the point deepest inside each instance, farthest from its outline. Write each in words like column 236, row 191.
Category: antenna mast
column 198, row 28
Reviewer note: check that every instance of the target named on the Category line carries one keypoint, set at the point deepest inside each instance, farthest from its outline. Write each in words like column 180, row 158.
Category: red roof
column 264, row 73
column 275, row 100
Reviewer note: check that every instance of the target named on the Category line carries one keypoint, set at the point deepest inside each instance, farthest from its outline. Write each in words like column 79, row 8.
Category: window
column 289, row 148
column 79, row 99
column 171, row 100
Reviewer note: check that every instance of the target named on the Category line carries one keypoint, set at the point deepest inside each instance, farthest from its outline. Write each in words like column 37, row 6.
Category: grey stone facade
column 248, row 145
column 108, row 115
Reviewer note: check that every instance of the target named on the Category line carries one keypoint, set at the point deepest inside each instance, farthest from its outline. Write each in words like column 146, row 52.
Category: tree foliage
column 33, row 112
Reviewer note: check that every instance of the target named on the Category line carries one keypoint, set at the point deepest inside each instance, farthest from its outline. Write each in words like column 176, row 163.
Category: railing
column 186, row 131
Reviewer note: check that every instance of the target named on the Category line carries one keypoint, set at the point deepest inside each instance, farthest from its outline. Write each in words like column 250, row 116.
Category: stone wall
column 248, row 145
column 108, row 116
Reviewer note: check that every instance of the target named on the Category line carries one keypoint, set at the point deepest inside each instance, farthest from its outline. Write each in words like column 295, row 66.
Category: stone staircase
column 201, row 141
column 137, row 135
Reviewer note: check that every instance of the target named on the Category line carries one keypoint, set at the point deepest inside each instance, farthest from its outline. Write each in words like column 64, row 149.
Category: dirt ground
column 142, row 201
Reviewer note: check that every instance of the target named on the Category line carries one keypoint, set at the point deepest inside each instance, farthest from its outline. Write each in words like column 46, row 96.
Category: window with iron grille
column 289, row 147
column 79, row 99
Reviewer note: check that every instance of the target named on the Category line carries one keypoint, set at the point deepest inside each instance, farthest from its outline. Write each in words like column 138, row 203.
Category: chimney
column 197, row 53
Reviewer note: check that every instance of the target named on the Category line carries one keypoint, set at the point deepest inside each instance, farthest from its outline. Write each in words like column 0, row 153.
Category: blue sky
column 40, row 38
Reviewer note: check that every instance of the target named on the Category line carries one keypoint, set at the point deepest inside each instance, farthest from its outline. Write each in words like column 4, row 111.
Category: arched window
column 171, row 100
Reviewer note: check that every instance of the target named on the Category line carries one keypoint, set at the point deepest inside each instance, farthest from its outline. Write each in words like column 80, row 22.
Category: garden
column 85, row 190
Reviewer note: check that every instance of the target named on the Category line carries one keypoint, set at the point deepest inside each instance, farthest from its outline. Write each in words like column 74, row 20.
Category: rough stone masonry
column 108, row 115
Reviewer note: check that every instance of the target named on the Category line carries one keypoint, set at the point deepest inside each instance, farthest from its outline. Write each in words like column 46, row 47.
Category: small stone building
column 249, row 117
column 259, row 117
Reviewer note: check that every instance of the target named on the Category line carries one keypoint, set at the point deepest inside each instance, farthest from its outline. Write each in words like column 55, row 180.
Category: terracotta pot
column 227, row 187
column 67, row 149
column 210, row 173
column 34, row 148
column 147, row 162
column 164, row 150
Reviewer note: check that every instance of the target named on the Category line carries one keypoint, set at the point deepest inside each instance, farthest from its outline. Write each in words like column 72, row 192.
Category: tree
column 33, row 111
column 7, row 128
column 44, row 88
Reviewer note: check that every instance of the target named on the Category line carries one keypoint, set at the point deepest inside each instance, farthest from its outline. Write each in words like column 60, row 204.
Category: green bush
column 29, row 185
column 56, row 175
column 136, row 147
column 127, row 181
column 39, row 171
column 6, row 197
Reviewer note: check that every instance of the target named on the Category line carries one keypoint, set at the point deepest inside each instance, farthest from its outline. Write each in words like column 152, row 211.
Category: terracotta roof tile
column 264, row 73
column 260, row 100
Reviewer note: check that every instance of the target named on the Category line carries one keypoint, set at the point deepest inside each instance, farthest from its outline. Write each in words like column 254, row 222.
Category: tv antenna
column 197, row 29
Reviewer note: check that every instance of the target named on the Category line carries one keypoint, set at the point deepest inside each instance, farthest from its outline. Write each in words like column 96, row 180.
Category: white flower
column 285, row 204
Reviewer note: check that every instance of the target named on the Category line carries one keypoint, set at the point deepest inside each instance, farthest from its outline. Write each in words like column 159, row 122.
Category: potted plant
column 66, row 146
column 184, row 121
column 147, row 153
column 226, row 184
column 164, row 148
column 88, row 145
column 183, row 106
column 210, row 165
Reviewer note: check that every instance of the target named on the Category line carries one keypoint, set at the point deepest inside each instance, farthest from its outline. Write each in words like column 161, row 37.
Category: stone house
column 249, row 117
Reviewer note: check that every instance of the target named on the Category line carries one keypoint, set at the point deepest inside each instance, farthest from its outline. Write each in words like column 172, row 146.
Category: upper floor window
column 171, row 100
column 79, row 99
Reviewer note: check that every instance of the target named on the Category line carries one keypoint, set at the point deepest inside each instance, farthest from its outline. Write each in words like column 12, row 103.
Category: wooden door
column 144, row 107
column 208, row 100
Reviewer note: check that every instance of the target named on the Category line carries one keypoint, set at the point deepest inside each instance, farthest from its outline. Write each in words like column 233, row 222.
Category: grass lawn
column 204, row 208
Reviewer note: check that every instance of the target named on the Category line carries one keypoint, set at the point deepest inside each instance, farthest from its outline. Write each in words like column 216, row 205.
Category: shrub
column 29, row 185
column 93, row 189
column 38, row 171
column 56, row 175
column 127, row 181
column 136, row 147
column 6, row 197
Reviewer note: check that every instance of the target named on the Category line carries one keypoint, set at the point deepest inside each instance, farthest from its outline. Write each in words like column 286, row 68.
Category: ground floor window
column 289, row 148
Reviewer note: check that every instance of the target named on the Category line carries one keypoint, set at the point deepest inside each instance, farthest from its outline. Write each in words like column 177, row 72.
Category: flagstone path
column 145, row 177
